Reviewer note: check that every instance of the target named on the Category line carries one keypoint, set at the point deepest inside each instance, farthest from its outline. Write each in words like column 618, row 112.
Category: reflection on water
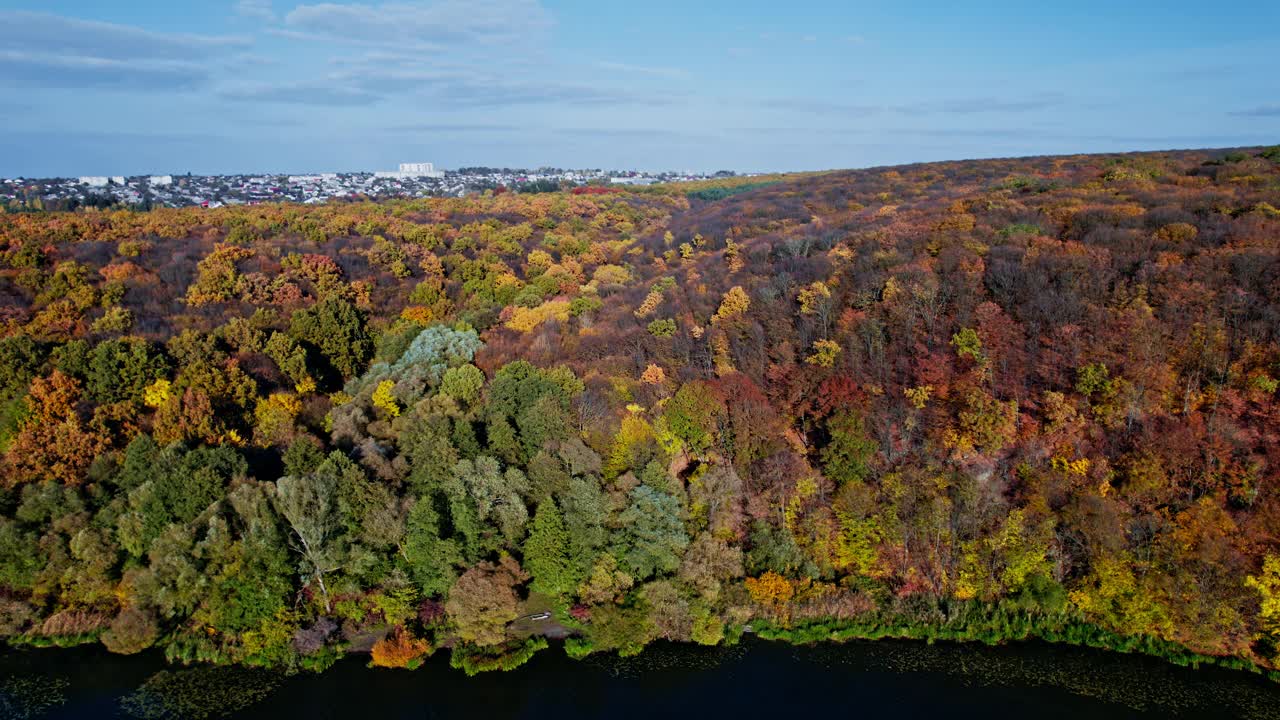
column 199, row 693
column 753, row 679
column 1137, row 683
column 25, row 696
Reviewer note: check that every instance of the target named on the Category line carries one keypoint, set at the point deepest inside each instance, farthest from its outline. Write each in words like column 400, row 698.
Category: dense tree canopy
column 987, row 400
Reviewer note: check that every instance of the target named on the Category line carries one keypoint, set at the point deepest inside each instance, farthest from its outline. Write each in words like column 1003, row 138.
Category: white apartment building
column 411, row 170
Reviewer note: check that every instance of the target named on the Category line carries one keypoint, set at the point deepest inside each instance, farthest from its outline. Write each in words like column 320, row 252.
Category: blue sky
column 216, row 86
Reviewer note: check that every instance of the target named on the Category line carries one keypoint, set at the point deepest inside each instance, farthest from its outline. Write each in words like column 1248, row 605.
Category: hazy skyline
column 255, row 86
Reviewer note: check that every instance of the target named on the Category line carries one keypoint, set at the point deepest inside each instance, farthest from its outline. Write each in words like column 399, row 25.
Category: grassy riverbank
column 991, row 625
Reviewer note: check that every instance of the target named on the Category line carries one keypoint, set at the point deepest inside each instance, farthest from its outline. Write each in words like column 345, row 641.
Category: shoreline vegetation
column 993, row 627
column 148, row 687
column 979, row 401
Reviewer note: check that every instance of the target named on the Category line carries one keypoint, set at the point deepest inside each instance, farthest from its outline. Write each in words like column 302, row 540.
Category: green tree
column 140, row 463
column 433, row 559
column 289, row 356
column 848, row 454
column 463, row 383
column 484, row 601
column 250, row 573
column 774, row 549
column 708, row 628
column 20, row 557
column 170, row 486
column 303, row 455
column 968, row 344
column 529, row 405
column 983, row 423
column 310, row 505
column 131, row 632
column 623, row 629
column 475, row 538
column 20, row 361
column 1093, row 378
column 426, row 445
column 497, row 495
column 546, row 552
column 585, row 512
column 195, row 480
column 121, row 369
column 547, row 477
column 692, row 414
column 338, row 330
column 652, row 537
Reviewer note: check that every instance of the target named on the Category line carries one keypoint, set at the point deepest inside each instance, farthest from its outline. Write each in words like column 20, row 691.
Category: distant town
column 410, row 180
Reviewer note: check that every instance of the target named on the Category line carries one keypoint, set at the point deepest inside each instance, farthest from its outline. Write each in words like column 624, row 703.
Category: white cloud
column 973, row 105
column 949, row 106
column 256, row 9
column 34, row 70
column 413, row 24
column 644, row 70
column 320, row 94
column 447, row 89
column 450, row 53
column 55, row 35
column 40, row 50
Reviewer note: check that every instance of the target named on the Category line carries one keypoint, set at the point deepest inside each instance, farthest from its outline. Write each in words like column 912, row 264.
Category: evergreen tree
column 546, row 552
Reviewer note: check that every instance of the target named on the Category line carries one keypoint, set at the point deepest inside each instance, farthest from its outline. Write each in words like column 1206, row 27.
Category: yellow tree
column 772, row 592
column 824, row 354
column 384, row 398
column 734, row 303
column 1267, row 583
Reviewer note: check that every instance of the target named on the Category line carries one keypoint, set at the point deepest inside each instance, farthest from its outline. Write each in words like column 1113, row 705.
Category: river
column 754, row 679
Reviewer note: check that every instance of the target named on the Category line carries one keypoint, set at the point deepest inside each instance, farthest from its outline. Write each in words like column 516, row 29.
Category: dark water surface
column 755, row 679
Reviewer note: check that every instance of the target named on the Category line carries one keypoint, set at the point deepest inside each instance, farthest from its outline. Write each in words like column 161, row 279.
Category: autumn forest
column 985, row 400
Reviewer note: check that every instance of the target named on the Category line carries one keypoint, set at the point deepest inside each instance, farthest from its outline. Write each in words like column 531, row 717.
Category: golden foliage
column 273, row 419
column 384, row 398
column 651, row 303
column 399, row 649
column 734, row 303
column 418, row 313
column 811, row 297
column 526, row 319
column 918, row 396
column 653, row 375
column 157, row 393
column 1267, row 585
column 824, row 354
column 770, row 589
